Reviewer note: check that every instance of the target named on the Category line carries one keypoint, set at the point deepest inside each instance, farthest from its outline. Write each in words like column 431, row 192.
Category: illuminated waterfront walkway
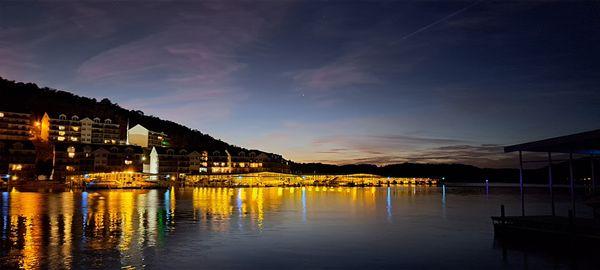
column 265, row 179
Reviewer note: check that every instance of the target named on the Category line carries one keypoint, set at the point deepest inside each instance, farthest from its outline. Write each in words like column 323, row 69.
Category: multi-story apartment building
column 15, row 126
column 198, row 162
column 220, row 162
column 17, row 160
column 173, row 162
column 78, row 159
column 139, row 135
column 74, row 129
column 223, row 163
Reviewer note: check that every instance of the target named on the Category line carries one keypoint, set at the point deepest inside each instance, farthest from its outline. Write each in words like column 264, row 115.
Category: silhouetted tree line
column 29, row 98
column 457, row 172
column 450, row 172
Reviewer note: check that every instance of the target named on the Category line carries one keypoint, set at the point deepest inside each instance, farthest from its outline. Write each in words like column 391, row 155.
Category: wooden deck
column 548, row 229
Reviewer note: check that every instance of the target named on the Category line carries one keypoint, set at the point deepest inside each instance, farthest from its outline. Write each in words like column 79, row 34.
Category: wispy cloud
column 192, row 57
column 327, row 142
column 478, row 155
column 339, row 74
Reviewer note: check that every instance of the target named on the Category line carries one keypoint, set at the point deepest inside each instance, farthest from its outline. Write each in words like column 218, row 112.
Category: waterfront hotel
column 60, row 147
column 17, row 152
column 141, row 136
column 73, row 129
column 15, row 126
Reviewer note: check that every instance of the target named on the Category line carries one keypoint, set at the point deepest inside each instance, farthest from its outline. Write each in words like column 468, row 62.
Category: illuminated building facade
column 173, row 163
column 77, row 159
column 179, row 163
column 73, row 129
column 17, row 160
column 15, row 126
column 198, row 162
column 153, row 166
column 66, row 145
column 219, row 162
column 141, row 136
column 225, row 163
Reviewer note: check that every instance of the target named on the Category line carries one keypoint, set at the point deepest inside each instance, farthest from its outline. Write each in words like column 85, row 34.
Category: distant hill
column 29, row 98
column 450, row 172
column 457, row 172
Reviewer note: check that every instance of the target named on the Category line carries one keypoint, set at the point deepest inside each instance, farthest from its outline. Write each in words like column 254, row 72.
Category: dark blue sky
column 340, row 82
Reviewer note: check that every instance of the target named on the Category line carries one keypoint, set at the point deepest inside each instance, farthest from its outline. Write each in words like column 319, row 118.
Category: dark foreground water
column 271, row 228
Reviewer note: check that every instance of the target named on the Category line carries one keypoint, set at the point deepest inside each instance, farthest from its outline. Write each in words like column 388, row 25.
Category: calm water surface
column 270, row 228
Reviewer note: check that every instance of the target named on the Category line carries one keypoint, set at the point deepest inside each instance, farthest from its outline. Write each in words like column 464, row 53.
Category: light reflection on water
column 307, row 227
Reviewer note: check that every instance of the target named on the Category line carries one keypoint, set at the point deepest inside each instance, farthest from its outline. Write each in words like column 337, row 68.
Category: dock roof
column 579, row 143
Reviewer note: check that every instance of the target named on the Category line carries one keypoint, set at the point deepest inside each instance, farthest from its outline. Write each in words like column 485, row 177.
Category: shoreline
column 55, row 185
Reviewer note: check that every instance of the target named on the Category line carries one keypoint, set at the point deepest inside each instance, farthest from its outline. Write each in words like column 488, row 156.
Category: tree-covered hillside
column 29, row 98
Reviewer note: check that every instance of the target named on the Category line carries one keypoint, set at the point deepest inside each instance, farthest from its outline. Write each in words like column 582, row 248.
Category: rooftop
column 579, row 143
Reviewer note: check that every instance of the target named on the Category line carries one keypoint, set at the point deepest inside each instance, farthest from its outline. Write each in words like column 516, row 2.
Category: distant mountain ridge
column 30, row 98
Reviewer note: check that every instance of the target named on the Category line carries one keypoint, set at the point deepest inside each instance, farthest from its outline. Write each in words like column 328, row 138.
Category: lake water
column 400, row 227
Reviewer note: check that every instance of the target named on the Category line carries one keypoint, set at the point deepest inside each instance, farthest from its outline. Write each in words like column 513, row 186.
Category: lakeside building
column 74, row 129
column 220, row 163
column 141, row 136
column 178, row 164
column 198, row 162
column 17, row 160
column 80, row 159
column 55, row 146
column 15, row 126
column 224, row 163
column 175, row 163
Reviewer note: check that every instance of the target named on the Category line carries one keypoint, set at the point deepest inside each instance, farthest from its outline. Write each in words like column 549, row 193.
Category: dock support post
column 593, row 174
column 571, row 219
column 550, row 184
column 572, row 183
column 521, row 183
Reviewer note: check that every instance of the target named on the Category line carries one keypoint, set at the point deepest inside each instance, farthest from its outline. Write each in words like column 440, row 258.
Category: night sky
column 337, row 82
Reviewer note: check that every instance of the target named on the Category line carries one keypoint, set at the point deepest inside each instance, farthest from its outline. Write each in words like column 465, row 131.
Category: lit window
column 74, row 139
column 61, row 127
column 75, row 128
column 71, row 151
column 160, row 137
column 70, row 168
column 60, row 138
column 1, row 114
column 61, row 133
column 16, row 167
column 113, row 141
column 128, row 162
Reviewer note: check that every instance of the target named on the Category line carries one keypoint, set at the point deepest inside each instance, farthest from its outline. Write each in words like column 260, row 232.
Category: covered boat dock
column 585, row 145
